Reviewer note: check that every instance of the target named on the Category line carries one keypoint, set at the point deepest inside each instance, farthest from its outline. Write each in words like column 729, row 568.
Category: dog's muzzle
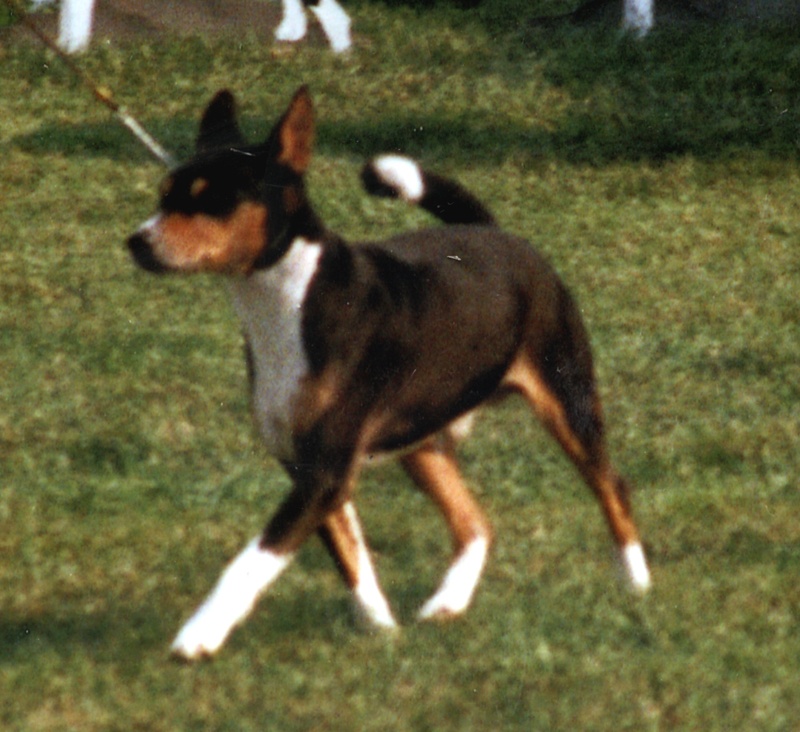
column 142, row 252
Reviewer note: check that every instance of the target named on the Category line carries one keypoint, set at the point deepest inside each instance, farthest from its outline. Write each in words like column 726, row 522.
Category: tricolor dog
column 375, row 347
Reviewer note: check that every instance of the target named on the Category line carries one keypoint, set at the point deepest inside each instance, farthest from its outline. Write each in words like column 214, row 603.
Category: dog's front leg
column 319, row 489
column 231, row 601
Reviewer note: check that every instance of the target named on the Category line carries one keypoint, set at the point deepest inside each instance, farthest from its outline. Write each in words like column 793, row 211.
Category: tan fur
column 297, row 133
column 599, row 475
column 523, row 377
column 338, row 533
column 200, row 243
column 435, row 471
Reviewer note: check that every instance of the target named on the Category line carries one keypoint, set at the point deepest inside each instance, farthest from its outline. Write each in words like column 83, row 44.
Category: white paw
column 230, row 602
column 198, row 639
column 636, row 569
column 441, row 608
column 376, row 619
column 373, row 607
column 455, row 593
column 291, row 30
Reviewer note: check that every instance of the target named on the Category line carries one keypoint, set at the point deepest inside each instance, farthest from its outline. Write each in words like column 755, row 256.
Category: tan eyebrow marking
column 198, row 186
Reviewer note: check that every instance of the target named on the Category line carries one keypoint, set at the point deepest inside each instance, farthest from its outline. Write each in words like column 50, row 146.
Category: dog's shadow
column 98, row 634
column 24, row 638
column 107, row 636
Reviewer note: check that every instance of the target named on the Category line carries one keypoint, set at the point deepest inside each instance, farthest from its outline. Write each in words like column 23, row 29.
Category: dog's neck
column 270, row 292
column 284, row 230
column 269, row 305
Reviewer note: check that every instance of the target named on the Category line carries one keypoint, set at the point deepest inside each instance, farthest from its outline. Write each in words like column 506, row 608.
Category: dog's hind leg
column 341, row 532
column 562, row 394
column 433, row 468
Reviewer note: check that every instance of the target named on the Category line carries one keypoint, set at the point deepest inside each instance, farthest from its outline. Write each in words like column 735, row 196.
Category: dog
column 378, row 347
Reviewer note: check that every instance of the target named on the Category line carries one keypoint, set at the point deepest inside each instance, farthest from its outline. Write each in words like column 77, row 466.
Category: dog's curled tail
column 396, row 176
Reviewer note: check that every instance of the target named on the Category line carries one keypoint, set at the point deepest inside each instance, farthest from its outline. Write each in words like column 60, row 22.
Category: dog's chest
column 269, row 305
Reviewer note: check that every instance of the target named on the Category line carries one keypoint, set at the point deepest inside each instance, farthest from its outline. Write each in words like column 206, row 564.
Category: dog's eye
column 212, row 198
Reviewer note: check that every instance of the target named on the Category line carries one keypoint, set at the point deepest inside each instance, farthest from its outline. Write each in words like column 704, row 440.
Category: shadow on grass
column 709, row 92
column 24, row 637
column 582, row 138
column 302, row 615
column 100, row 634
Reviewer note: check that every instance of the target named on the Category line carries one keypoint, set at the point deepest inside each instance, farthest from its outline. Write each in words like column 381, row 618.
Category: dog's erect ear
column 219, row 128
column 293, row 137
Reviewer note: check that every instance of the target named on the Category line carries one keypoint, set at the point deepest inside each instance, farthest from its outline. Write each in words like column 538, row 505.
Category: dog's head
column 230, row 209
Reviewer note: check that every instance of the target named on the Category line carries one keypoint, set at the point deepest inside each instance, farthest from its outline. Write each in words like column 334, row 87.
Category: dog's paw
column 375, row 619
column 372, row 607
column 455, row 593
column 197, row 640
column 437, row 609
column 335, row 24
column 636, row 570
column 368, row 626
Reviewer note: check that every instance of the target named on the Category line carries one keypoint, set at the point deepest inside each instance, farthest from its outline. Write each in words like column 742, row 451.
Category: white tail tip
column 402, row 175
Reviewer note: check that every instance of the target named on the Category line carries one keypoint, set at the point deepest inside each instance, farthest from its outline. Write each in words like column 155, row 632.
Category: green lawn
column 660, row 178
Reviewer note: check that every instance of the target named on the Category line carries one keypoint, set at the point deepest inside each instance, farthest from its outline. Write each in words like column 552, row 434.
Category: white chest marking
column 269, row 304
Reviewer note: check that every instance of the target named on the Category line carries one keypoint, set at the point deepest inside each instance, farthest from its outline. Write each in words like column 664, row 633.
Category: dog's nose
column 143, row 254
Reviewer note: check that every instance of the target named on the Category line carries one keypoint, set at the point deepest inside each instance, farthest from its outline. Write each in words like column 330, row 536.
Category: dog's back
column 487, row 293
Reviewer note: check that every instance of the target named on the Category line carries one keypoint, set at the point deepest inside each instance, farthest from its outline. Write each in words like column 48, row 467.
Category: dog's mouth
column 142, row 253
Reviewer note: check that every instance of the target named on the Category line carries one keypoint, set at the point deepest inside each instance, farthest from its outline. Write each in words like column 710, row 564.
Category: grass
column 660, row 178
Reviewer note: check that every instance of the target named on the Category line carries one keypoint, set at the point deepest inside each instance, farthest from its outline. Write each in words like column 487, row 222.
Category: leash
column 102, row 94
